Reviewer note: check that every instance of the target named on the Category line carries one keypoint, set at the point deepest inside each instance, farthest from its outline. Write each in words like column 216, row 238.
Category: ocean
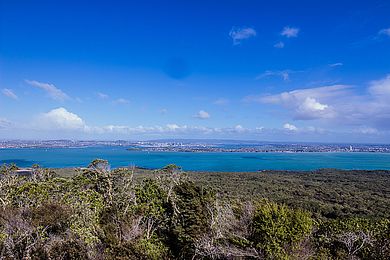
column 192, row 161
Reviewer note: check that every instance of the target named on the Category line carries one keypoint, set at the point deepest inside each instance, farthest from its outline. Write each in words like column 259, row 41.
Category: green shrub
column 277, row 229
column 354, row 237
column 52, row 216
column 191, row 217
column 152, row 248
column 101, row 213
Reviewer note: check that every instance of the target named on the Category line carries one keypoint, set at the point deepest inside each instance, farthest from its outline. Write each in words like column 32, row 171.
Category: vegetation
column 99, row 213
column 326, row 193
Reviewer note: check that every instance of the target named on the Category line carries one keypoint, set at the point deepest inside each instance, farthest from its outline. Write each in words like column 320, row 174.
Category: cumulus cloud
column 61, row 123
column 308, row 103
column 310, row 108
column 239, row 34
column 385, row 31
column 290, row 32
column 279, row 45
column 240, row 129
column 9, row 93
column 338, row 105
column 173, row 127
column 290, row 127
column 51, row 90
column 202, row 115
column 60, row 118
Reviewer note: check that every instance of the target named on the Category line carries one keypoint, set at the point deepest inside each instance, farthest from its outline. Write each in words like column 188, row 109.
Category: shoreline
column 199, row 151
column 199, row 161
column 267, row 171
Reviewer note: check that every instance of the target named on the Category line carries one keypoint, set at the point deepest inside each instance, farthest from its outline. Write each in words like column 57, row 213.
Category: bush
column 52, row 216
column 354, row 238
column 101, row 213
column 191, row 217
column 277, row 230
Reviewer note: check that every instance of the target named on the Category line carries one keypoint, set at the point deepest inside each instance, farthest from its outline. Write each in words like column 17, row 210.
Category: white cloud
column 299, row 95
column 380, row 88
column 9, row 93
column 202, row 115
column 167, row 129
column 173, row 127
column 290, row 32
column 60, row 118
column 279, row 45
column 221, row 101
column 312, row 104
column 121, row 101
column 385, row 31
column 284, row 74
column 52, row 91
column 337, row 105
column 241, row 33
column 290, row 127
column 102, row 95
column 239, row 128
column 60, row 123
column 337, row 64
column 310, row 108
column 306, row 104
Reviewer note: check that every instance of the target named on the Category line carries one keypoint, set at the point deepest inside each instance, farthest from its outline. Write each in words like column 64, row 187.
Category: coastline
column 197, row 161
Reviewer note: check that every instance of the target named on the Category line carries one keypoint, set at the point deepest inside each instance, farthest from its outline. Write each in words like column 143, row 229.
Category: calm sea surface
column 233, row 162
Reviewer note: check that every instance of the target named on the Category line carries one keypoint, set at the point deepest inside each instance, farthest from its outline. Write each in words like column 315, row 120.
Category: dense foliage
column 326, row 193
column 99, row 213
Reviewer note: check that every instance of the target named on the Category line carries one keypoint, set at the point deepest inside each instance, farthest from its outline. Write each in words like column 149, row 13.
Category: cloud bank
column 337, row 104
column 61, row 123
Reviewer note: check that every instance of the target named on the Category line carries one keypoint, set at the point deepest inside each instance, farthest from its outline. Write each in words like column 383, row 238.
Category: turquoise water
column 233, row 162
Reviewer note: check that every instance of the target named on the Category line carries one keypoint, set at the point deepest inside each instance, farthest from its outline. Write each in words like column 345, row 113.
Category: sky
column 308, row 71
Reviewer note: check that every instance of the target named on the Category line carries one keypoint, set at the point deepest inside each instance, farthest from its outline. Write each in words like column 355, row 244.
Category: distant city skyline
column 296, row 71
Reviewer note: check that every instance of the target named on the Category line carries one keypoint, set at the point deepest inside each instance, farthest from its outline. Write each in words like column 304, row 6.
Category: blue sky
column 276, row 70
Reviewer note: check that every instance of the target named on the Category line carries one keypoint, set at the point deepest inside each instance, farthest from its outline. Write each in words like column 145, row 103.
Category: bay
column 194, row 161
